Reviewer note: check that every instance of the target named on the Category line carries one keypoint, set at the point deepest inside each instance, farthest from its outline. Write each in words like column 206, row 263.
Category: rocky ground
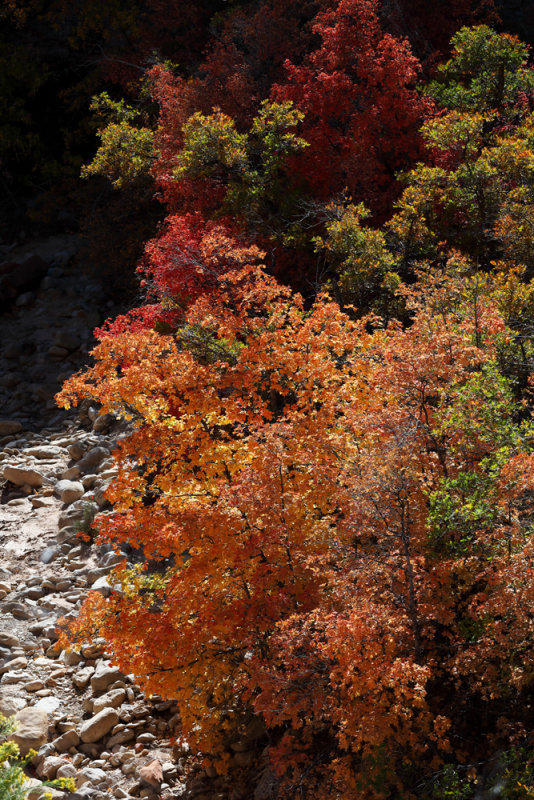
column 84, row 717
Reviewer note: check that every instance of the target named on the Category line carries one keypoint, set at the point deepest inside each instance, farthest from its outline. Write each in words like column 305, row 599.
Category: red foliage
column 362, row 110
column 186, row 261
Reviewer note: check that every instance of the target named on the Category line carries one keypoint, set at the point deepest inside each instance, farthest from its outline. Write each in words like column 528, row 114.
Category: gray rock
column 21, row 476
column 92, row 459
column 49, row 554
column 67, row 740
column 69, row 491
column 111, row 699
column 92, row 775
column 98, row 726
column 48, row 768
column 104, row 676
column 44, row 452
column 31, row 731
column 82, row 676
column 103, row 423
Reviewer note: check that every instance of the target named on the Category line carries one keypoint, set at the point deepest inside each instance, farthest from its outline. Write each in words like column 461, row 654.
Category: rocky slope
column 84, row 717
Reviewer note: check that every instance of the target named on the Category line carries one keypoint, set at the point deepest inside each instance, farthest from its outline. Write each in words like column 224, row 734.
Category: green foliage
column 358, row 256
column 451, row 785
column 250, row 167
column 468, row 502
column 126, row 152
column 487, row 71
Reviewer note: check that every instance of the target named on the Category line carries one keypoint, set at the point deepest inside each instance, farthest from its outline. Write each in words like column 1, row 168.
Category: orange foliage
column 335, row 520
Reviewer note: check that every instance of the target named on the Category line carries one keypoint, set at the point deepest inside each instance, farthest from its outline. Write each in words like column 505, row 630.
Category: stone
column 103, row 422
column 111, row 699
column 66, row 770
column 71, row 474
column 31, row 731
column 126, row 735
column 93, row 775
column 81, row 678
column 104, row 676
column 14, row 664
column 98, row 726
column 21, row 475
column 44, row 452
column 92, row 459
column 67, row 740
column 76, row 450
column 9, row 705
column 48, row 768
column 49, row 554
column 102, row 586
column 67, row 340
column 152, row 774
column 9, row 427
column 71, row 658
column 69, row 491
column 41, row 502
column 8, row 639
column 48, row 704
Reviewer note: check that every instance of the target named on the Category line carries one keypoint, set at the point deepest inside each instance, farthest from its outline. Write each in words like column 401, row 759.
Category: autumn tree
column 339, row 507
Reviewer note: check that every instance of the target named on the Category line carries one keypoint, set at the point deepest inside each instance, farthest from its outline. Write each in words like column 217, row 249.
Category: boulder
column 67, row 740
column 104, row 675
column 96, row 728
column 9, row 427
column 31, row 731
column 69, row 491
column 111, row 699
column 23, row 475
column 152, row 774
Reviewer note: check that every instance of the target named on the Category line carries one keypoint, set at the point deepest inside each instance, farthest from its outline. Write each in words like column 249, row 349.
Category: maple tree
column 322, row 510
column 357, row 89
column 334, row 502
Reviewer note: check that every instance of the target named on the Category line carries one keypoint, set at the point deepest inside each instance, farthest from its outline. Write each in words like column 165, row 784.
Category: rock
column 76, row 450
column 92, row 459
column 44, row 452
column 66, row 770
column 41, row 502
column 67, row 740
column 69, row 491
column 126, row 735
column 81, row 678
column 9, row 427
column 8, row 640
column 104, row 676
column 111, row 699
column 9, row 705
column 31, row 731
column 49, row 554
column 47, row 704
column 96, row 728
column 152, row 774
column 48, row 768
column 71, row 474
column 67, row 340
column 71, row 658
column 14, row 664
column 21, row 475
column 103, row 422
column 92, row 775
column 102, row 586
